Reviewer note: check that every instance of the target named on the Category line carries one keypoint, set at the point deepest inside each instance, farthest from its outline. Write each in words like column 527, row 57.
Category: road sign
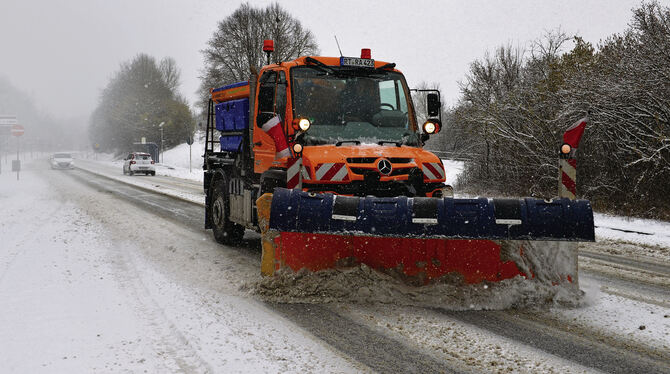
column 189, row 140
column 8, row 119
column 17, row 130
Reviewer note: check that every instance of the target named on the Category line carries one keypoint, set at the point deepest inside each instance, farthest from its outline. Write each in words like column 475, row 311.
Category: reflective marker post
column 189, row 141
column 567, row 164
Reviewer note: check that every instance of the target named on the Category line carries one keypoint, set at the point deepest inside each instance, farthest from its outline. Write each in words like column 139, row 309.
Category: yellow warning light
column 565, row 149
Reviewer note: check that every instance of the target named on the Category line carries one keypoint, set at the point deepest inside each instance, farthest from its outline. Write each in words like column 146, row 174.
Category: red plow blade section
column 417, row 261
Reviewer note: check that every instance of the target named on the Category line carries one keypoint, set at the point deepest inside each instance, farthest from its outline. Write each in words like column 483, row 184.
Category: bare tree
column 171, row 73
column 236, row 45
column 514, row 110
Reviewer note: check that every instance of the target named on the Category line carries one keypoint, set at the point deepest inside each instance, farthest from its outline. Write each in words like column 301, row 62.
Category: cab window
column 271, row 97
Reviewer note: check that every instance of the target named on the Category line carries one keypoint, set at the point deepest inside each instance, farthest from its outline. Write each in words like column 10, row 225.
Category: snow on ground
column 178, row 157
column 87, row 285
column 455, row 342
column 635, row 230
column 605, row 313
column 452, row 170
column 113, row 170
column 90, row 285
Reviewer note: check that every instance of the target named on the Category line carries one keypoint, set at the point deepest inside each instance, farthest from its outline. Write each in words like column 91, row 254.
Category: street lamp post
column 160, row 126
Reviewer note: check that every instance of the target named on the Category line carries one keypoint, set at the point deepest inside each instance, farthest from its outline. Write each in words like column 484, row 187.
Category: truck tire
column 225, row 231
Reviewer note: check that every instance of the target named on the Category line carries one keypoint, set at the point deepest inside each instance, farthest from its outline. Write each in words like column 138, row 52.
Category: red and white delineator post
column 567, row 164
column 295, row 173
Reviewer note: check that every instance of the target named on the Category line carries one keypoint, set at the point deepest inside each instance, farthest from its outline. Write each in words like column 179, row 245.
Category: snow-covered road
column 92, row 280
column 89, row 283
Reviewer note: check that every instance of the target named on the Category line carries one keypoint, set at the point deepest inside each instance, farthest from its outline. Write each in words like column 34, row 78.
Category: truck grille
column 394, row 172
column 371, row 160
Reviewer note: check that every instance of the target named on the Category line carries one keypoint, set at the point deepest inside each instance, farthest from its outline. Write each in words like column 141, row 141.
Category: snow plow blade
column 422, row 240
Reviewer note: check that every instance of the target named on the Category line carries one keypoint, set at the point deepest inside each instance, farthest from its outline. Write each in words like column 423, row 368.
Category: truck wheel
column 225, row 231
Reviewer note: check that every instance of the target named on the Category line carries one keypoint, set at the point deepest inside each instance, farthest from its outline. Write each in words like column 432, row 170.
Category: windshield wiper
column 320, row 65
column 382, row 142
column 390, row 65
column 339, row 143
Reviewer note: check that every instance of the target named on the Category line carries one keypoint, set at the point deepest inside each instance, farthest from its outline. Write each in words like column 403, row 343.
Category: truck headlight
column 301, row 124
column 304, row 124
column 431, row 127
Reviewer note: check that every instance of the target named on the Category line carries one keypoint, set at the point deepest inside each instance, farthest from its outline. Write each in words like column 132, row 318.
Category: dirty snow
column 360, row 284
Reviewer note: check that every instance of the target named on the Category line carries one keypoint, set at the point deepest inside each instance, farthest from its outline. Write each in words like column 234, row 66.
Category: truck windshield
column 352, row 105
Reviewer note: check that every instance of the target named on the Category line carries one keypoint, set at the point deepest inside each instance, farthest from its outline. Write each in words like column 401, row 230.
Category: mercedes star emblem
column 384, row 166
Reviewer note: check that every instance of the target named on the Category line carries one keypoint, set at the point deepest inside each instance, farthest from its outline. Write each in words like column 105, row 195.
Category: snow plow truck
column 324, row 157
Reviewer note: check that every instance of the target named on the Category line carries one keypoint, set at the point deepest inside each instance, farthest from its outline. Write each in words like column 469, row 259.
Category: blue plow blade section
column 449, row 218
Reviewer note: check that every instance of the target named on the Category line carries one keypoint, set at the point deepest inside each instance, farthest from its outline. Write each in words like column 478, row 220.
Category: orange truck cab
column 347, row 124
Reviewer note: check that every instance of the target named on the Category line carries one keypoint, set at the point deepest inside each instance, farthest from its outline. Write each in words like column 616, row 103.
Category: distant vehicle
column 61, row 161
column 139, row 162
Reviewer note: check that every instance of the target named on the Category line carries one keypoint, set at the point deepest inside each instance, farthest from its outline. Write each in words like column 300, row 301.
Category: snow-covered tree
column 140, row 97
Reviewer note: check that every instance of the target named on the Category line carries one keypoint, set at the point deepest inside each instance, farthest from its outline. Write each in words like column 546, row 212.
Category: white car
column 61, row 161
column 138, row 162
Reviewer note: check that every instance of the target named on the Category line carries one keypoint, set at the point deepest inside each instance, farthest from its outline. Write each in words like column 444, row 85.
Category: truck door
column 271, row 102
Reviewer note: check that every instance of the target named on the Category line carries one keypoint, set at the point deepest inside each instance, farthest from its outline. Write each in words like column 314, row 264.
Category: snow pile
column 178, row 157
column 361, row 284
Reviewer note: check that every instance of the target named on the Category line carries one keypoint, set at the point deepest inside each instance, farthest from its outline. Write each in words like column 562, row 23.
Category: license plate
column 355, row 61
column 143, row 168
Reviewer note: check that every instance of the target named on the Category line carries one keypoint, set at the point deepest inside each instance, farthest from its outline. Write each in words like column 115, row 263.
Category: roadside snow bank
column 452, row 169
column 635, row 230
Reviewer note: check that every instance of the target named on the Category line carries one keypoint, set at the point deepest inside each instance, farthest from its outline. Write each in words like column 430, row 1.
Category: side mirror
column 433, row 104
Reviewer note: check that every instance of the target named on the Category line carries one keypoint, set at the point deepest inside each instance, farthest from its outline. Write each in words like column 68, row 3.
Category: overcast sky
column 63, row 52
